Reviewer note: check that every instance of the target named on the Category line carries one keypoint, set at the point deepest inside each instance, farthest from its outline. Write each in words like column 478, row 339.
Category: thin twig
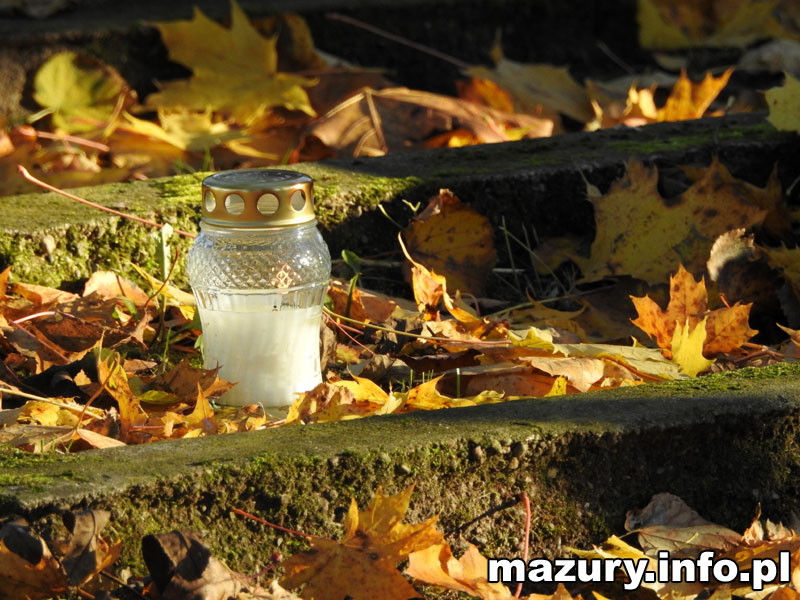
column 527, row 502
column 119, row 581
column 430, row 338
column 400, row 40
column 242, row 513
column 76, row 407
column 75, row 140
column 47, row 313
column 24, row 172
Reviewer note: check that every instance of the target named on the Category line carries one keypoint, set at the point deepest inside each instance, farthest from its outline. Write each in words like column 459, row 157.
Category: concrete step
column 724, row 443
column 52, row 240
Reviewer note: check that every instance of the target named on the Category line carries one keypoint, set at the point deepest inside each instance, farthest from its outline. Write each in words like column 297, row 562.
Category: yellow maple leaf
column 640, row 234
column 454, row 240
column 674, row 24
column 687, row 348
column 235, row 71
column 784, row 105
column 79, row 91
column 363, row 565
column 726, row 329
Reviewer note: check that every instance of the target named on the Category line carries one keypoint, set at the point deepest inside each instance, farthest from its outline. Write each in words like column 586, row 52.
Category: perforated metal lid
column 258, row 198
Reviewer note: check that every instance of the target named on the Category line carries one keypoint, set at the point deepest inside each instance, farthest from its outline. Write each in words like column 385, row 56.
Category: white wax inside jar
column 271, row 355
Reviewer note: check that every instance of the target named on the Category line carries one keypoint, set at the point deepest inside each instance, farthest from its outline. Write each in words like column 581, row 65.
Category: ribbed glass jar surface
column 259, row 294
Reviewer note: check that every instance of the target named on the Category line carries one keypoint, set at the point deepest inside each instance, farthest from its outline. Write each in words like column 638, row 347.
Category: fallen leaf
column 27, row 567
column 689, row 100
column 784, row 104
column 108, row 285
column 363, row 565
column 237, row 74
column 183, row 568
column 537, row 89
column 375, row 122
column 669, row 25
column 641, row 234
column 726, row 328
column 453, row 240
column 687, row 347
column 437, row 566
column 79, row 90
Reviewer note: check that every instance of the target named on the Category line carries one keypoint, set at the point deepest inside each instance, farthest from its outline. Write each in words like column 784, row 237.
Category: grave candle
column 259, row 271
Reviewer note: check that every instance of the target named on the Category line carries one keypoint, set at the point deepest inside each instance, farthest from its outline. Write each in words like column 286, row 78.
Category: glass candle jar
column 259, row 270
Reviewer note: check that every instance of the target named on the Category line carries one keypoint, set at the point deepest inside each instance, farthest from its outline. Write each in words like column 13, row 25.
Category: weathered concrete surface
column 723, row 443
column 52, row 240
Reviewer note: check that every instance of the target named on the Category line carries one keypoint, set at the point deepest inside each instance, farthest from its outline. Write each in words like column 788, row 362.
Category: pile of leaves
column 244, row 105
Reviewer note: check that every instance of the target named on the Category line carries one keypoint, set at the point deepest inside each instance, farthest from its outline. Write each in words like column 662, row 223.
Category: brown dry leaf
column 717, row 180
column 427, row 396
column 183, row 380
column 115, row 380
column 581, row 372
column 183, row 568
column 726, row 328
column 486, row 92
column 668, row 523
column 41, row 296
column 541, row 90
column 643, row 235
column 85, row 553
column 375, row 122
column 437, row 566
column 27, row 567
column 453, row 240
column 365, row 306
column 363, row 565
column 109, row 285
column 326, row 403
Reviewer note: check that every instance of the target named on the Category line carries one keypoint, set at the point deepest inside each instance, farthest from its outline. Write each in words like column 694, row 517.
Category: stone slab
column 539, row 183
column 725, row 443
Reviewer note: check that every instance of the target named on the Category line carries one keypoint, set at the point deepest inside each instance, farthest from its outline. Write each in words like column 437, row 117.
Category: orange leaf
column 363, row 565
column 436, row 566
column 726, row 328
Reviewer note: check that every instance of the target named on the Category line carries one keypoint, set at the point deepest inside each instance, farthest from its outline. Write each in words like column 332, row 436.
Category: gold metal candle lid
column 258, row 198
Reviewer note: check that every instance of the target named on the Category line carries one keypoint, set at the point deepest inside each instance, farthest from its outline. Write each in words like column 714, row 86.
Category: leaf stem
column 24, row 172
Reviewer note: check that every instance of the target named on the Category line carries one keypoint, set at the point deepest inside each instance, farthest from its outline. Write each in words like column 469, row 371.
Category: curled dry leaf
column 183, row 568
column 374, row 122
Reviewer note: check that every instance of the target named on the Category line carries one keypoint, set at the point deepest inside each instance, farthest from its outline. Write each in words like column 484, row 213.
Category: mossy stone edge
column 724, row 443
column 537, row 183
